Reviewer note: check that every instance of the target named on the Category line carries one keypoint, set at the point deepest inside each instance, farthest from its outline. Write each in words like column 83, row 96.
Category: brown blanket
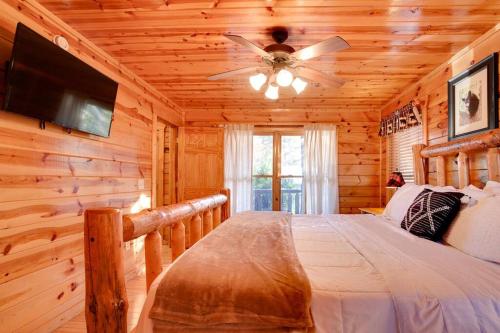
column 244, row 276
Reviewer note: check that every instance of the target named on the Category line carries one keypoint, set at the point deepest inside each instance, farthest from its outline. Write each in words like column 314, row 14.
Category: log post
column 493, row 164
column 463, row 170
column 419, row 164
column 207, row 222
column 217, row 216
column 178, row 239
column 441, row 171
column 152, row 248
column 226, row 207
column 106, row 301
column 195, row 229
column 187, row 231
column 482, row 141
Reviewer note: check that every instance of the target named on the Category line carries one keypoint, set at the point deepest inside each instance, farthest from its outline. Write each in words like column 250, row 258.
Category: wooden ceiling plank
column 175, row 45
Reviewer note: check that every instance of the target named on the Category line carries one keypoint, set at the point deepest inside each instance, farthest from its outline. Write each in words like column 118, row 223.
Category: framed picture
column 473, row 99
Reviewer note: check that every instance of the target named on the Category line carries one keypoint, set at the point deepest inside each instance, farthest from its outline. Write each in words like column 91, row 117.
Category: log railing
column 105, row 232
column 489, row 141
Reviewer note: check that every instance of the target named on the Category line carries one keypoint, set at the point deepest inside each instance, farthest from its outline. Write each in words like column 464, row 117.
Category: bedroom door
column 200, row 162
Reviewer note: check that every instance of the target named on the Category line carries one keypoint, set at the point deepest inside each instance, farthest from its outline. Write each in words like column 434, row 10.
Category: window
column 277, row 171
column 400, row 154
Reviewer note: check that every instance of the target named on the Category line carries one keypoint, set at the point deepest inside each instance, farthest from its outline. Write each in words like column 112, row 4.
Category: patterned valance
column 401, row 119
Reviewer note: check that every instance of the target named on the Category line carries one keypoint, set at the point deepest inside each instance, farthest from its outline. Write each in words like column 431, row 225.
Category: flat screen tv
column 48, row 83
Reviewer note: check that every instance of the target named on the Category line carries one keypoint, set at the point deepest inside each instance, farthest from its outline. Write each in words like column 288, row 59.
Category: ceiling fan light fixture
column 284, row 78
column 299, row 85
column 257, row 81
column 272, row 91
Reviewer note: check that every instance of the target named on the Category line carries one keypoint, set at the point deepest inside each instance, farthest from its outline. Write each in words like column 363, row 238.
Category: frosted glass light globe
column 257, row 81
column 299, row 85
column 284, row 78
column 272, row 91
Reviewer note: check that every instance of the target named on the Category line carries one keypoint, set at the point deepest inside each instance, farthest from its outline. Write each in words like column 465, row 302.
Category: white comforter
column 370, row 276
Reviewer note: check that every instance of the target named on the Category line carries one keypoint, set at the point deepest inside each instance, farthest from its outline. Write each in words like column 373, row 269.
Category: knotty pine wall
column 431, row 92
column 358, row 143
column 48, row 178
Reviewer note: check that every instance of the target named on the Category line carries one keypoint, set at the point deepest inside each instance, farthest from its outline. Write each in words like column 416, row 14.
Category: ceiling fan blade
column 227, row 74
column 329, row 45
column 319, row 77
column 248, row 44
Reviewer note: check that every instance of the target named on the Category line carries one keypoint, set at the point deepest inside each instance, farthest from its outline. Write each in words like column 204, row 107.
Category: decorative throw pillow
column 431, row 213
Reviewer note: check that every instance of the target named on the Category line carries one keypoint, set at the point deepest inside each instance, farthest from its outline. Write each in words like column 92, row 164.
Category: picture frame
column 473, row 99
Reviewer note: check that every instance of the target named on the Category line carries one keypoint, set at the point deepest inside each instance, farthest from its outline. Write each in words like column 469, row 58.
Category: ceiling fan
column 284, row 65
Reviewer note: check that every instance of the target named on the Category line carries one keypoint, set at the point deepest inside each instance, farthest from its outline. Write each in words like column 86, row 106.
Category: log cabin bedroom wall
column 431, row 94
column 48, row 178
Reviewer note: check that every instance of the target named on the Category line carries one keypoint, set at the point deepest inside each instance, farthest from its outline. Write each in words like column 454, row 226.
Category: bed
column 364, row 270
column 366, row 273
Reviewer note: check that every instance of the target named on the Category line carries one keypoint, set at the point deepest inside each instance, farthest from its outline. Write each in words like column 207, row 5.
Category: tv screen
column 48, row 83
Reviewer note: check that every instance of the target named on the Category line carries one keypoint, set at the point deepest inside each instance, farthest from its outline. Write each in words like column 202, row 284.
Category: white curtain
column 238, row 148
column 320, row 169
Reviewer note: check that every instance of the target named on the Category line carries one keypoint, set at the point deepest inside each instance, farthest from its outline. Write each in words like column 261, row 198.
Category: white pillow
column 448, row 188
column 401, row 200
column 476, row 230
column 475, row 192
column 492, row 187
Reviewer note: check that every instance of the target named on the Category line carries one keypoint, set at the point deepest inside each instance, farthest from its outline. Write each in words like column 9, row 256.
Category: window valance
column 406, row 117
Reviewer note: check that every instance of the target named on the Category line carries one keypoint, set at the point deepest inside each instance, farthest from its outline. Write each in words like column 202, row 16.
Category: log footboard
column 105, row 232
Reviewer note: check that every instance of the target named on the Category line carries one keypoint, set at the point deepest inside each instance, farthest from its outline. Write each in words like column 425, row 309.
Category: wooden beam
column 419, row 164
column 207, row 222
column 136, row 225
column 226, row 207
column 105, row 231
column 178, row 239
column 490, row 139
column 106, row 301
column 217, row 216
column 195, row 230
column 152, row 246
column 493, row 164
column 463, row 170
column 441, row 171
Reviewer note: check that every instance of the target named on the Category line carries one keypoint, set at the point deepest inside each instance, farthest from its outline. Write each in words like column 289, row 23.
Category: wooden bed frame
column 489, row 141
column 105, row 232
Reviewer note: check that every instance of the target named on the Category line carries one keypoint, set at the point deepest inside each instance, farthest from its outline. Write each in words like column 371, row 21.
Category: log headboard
column 105, row 231
column 489, row 141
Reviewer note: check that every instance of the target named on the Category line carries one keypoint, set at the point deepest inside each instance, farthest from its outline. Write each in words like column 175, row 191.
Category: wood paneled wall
column 431, row 92
column 359, row 165
column 48, row 178
column 359, row 144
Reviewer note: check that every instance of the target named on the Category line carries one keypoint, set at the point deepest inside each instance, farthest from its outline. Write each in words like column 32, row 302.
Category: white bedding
column 369, row 276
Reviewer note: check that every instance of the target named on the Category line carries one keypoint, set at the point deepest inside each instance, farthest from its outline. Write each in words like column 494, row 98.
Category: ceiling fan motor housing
column 280, row 35
column 280, row 52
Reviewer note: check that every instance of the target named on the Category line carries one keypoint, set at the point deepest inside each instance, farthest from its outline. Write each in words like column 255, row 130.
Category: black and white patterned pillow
column 431, row 213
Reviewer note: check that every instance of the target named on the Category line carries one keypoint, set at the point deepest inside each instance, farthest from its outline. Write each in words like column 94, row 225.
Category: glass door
column 277, row 171
column 262, row 172
column 291, row 185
